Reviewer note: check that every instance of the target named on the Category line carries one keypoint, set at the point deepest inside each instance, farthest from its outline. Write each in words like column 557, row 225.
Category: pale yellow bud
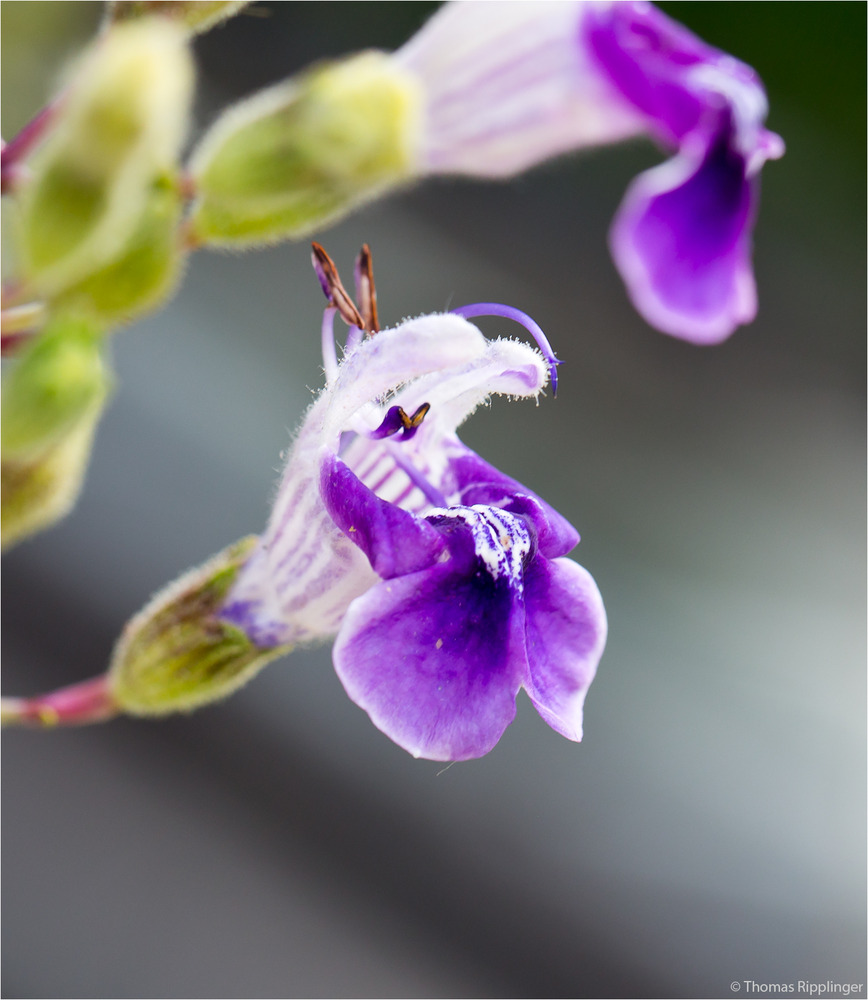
column 119, row 131
column 294, row 157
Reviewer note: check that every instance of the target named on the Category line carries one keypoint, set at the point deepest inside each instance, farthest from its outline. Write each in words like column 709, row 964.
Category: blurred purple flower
column 508, row 85
column 441, row 576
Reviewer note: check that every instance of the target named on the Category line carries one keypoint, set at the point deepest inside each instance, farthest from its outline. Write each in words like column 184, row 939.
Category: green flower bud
column 176, row 654
column 300, row 154
column 120, row 130
column 56, row 382
column 196, row 15
column 146, row 272
column 36, row 492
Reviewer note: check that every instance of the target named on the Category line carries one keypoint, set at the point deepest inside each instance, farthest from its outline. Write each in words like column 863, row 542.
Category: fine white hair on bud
column 118, row 131
column 286, row 161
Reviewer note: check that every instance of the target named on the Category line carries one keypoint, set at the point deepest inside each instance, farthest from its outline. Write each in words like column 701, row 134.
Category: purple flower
column 443, row 578
column 508, row 85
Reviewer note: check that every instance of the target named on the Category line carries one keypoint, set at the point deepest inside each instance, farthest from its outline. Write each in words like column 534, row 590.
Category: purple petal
column 681, row 241
column 397, row 420
column 395, row 542
column 647, row 57
column 682, row 236
column 436, row 659
column 391, row 424
column 566, row 633
column 475, row 481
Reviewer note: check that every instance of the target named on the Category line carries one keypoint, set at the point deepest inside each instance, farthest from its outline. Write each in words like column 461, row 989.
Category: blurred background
column 711, row 826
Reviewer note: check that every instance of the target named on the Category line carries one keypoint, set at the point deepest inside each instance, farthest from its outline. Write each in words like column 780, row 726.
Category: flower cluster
column 443, row 582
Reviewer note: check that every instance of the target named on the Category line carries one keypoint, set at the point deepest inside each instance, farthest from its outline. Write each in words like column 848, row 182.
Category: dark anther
column 396, row 419
column 332, row 288
column 411, row 423
column 366, row 292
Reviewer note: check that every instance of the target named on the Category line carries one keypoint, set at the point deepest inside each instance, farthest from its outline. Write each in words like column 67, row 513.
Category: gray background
column 710, row 827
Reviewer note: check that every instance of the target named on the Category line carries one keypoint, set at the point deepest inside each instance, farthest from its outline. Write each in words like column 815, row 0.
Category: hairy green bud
column 118, row 132
column 196, row 15
column 145, row 273
column 57, row 381
column 35, row 492
column 294, row 157
column 176, row 654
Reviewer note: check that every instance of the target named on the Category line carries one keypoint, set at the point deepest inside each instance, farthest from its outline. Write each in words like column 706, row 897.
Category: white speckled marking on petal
column 501, row 540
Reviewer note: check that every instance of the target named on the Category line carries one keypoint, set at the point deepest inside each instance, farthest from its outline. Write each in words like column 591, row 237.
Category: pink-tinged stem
column 16, row 149
column 10, row 342
column 18, row 324
column 76, row 705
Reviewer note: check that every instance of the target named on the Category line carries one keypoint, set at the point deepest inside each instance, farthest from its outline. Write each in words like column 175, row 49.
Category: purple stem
column 532, row 327
column 16, row 149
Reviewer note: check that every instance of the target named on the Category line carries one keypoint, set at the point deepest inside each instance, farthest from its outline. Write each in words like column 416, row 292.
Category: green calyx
column 58, row 381
column 118, row 134
column 145, row 272
column 294, row 157
column 176, row 654
column 53, row 393
column 195, row 15
column 36, row 492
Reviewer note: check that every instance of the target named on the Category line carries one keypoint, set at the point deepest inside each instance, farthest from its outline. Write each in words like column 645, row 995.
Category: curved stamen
column 329, row 352
column 391, row 424
column 532, row 327
column 396, row 420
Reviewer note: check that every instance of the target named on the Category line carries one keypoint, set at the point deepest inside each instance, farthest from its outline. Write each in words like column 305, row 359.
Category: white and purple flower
column 507, row 85
column 443, row 579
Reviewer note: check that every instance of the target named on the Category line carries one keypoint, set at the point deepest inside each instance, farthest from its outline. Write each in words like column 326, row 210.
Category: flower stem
column 18, row 147
column 18, row 323
column 76, row 705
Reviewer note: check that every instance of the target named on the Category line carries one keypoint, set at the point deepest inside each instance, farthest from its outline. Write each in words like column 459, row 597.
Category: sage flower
column 442, row 578
column 508, row 85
